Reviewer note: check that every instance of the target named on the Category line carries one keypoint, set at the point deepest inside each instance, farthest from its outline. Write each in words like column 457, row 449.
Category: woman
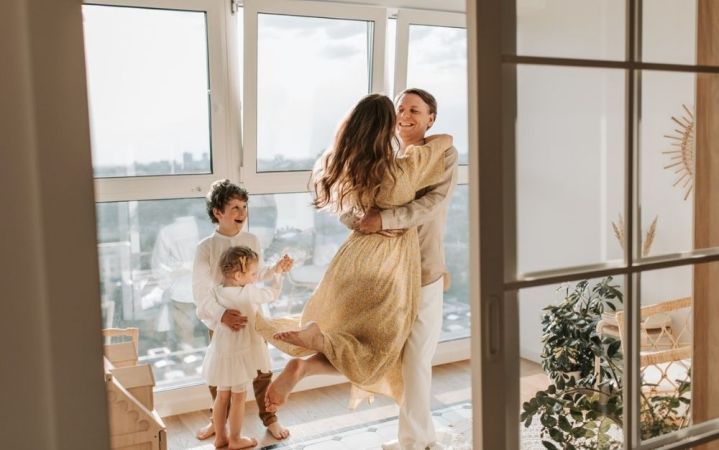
column 360, row 315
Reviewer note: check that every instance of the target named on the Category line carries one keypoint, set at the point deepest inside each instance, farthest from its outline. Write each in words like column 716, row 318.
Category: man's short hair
column 220, row 194
column 424, row 95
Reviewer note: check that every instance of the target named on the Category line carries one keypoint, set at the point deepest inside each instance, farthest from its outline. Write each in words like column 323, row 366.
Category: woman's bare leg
column 295, row 370
column 310, row 336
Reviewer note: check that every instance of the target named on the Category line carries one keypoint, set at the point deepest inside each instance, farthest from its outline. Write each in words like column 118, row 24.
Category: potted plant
column 571, row 344
column 585, row 412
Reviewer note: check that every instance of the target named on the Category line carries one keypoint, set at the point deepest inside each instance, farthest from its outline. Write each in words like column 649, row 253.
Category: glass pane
column 146, row 250
column 437, row 63
column 570, row 165
column 148, row 90
column 678, row 138
column 669, row 31
column 310, row 72
column 456, row 322
column 667, row 162
column 571, row 366
column 674, row 367
column 595, row 30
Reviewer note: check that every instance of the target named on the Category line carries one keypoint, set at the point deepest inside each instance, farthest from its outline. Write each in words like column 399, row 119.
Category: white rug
column 453, row 424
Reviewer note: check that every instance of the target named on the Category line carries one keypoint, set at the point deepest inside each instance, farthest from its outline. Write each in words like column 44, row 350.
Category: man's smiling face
column 413, row 118
column 233, row 217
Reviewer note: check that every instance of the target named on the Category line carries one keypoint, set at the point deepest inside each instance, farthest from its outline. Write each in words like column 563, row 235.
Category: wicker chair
column 666, row 345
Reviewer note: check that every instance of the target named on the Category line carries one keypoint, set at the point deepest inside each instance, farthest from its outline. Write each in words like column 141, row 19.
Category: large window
column 184, row 92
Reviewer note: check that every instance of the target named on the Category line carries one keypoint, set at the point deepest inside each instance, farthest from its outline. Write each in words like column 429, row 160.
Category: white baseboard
column 530, row 354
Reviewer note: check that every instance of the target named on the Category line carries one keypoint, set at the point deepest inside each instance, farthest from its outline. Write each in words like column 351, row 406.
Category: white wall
column 52, row 392
column 570, row 143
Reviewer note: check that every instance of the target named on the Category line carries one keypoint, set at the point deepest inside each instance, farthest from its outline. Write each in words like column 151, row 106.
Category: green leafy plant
column 569, row 331
column 585, row 412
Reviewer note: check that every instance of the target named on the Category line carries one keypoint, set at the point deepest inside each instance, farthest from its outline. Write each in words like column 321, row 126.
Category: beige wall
column 52, row 390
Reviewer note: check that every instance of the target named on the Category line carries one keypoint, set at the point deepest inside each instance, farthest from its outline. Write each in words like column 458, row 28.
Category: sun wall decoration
column 682, row 157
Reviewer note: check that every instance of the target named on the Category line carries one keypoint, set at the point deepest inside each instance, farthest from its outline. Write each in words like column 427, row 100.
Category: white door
column 595, row 154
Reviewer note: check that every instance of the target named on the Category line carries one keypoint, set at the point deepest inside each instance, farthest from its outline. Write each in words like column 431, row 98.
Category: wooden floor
column 318, row 411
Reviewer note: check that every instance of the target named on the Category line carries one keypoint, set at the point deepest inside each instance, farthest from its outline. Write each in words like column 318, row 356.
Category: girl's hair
column 237, row 259
column 350, row 173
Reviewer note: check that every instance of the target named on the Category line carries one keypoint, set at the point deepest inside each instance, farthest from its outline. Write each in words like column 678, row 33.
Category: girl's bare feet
column 310, row 336
column 279, row 390
column 242, row 442
column 278, row 431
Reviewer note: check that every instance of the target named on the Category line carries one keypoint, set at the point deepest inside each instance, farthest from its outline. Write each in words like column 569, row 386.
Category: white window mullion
column 233, row 94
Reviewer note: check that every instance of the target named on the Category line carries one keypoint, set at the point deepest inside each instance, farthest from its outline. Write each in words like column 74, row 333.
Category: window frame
column 294, row 181
column 191, row 185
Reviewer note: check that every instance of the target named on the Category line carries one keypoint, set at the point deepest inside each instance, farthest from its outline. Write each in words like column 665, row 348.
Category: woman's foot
column 242, row 442
column 206, row 432
column 279, row 390
column 310, row 336
column 278, row 431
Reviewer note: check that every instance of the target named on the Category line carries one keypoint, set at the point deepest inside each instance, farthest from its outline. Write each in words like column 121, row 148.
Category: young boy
column 227, row 207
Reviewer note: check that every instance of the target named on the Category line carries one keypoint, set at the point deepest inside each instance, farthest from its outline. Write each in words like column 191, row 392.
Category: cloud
column 346, row 28
column 439, row 46
column 307, row 26
column 339, row 51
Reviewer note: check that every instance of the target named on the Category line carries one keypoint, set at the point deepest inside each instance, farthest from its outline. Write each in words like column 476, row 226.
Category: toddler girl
column 234, row 357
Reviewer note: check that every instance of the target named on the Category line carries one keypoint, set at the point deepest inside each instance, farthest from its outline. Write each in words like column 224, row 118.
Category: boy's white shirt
column 206, row 274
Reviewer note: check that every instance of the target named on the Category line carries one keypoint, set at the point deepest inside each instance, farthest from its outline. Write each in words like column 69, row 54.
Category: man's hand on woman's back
column 371, row 222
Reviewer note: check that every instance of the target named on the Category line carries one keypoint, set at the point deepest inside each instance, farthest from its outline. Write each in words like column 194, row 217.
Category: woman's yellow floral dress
column 367, row 300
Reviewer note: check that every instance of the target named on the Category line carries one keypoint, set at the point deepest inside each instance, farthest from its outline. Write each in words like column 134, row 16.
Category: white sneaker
column 391, row 445
column 394, row 445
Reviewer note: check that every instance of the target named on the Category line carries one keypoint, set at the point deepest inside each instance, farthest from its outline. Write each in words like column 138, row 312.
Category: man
column 416, row 113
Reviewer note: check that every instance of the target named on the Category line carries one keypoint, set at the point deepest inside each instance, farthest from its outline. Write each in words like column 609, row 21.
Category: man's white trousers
column 416, row 430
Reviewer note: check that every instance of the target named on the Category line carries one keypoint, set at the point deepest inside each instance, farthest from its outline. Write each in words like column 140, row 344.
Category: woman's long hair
column 350, row 173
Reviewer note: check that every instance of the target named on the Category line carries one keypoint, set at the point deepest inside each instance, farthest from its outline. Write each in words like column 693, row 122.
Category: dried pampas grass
column 648, row 240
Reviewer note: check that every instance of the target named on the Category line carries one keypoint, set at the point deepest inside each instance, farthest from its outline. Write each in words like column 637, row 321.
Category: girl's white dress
column 234, row 357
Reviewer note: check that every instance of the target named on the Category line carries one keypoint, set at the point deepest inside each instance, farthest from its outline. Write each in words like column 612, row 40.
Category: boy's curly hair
column 237, row 259
column 220, row 194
